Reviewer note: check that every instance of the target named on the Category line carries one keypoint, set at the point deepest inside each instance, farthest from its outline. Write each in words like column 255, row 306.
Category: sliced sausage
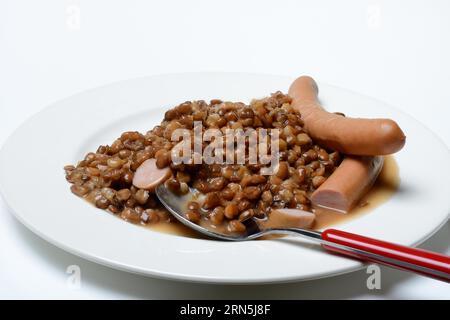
column 288, row 218
column 148, row 176
column 348, row 183
column 356, row 136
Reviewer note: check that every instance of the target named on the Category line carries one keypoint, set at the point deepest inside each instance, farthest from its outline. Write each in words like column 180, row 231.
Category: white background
column 396, row 51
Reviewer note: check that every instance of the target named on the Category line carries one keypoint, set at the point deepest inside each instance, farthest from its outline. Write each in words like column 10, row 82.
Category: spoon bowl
column 177, row 205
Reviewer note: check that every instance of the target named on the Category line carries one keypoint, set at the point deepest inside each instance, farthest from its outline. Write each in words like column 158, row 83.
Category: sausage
column 148, row 176
column 288, row 218
column 348, row 183
column 356, row 136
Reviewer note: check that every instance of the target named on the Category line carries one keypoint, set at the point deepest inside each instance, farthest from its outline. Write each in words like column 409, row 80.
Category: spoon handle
column 424, row 262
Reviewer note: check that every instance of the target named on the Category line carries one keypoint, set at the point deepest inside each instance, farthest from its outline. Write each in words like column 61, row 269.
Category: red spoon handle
column 417, row 260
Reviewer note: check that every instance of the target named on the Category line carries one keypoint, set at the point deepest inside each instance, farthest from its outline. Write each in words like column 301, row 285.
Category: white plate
column 33, row 185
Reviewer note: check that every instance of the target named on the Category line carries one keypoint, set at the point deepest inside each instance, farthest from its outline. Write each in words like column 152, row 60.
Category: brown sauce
column 175, row 228
column 384, row 188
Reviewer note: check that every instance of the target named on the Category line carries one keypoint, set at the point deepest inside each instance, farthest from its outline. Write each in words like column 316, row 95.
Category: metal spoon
column 423, row 262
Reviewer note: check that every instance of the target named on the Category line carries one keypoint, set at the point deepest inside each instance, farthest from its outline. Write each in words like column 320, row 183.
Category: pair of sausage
column 363, row 140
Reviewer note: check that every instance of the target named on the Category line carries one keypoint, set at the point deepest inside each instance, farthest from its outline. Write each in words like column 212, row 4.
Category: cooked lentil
column 233, row 193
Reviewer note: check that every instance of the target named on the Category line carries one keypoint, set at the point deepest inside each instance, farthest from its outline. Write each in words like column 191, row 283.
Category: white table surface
column 396, row 51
